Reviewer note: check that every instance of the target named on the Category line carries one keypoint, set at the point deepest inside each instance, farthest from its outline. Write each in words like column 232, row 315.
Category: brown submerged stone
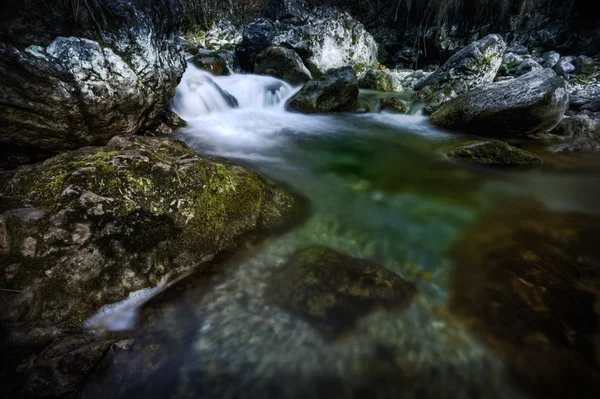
column 333, row 291
column 526, row 282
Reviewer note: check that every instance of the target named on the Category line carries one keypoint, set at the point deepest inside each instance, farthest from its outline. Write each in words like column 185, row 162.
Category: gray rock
column 222, row 36
column 473, row 66
column 377, row 79
column 564, row 67
column 256, row 36
column 527, row 66
column 282, row 63
column 494, row 152
column 517, row 48
column 335, row 91
column 579, row 132
column 81, row 90
column 583, row 65
column 593, row 105
column 534, row 102
column 550, row 59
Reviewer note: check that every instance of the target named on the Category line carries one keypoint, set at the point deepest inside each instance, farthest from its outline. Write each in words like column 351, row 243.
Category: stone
column 78, row 84
column 333, row 291
column 534, row 102
column 550, row 59
column 564, row 67
column 377, row 79
column 223, row 35
column 211, row 62
column 473, row 66
column 493, row 152
column 584, row 66
column 527, row 66
column 282, row 63
column 107, row 221
column 256, row 36
column 578, row 132
column 394, row 104
column 525, row 282
column 336, row 91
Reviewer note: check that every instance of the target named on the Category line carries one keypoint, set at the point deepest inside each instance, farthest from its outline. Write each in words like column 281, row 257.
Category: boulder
column 70, row 81
column 293, row 11
column 282, row 63
column 564, row 67
column 378, row 79
column 210, row 62
column 473, row 66
column 550, row 59
column 584, row 65
column 94, row 225
column 579, row 132
column 332, row 291
column 527, row 66
column 493, row 152
column 335, row 91
column 534, row 102
column 394, row 104
column 329, row 38
column 223, row 35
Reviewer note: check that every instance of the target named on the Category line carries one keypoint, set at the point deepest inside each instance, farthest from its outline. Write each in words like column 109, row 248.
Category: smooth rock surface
column 282, row 63
column 534, row 102
column 493, row 153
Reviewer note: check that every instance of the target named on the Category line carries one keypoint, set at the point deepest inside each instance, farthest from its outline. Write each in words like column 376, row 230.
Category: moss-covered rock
column 378, row 79
column 98, row 223
column 494, row 152
column 211, row 62
column 333, row 291
column 394, row 104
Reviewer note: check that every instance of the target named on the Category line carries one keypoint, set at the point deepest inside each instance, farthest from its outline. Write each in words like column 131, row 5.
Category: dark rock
column 526, row 282
column 564, row 67
column 294, row 11
column 211, row 63
column 527, row 66
column 584, row 66
column 534, row 102
column 282, row 63
column 336, row 91
column 494, row 153
column 256, row 36
column 475, row 65
column 580, row 133
column 104, row 222
column 593, row 106
column 517, row 48
column 394, row 104
column 67, row 84
column 333, row 291
column 377, row 79
column 550, row 59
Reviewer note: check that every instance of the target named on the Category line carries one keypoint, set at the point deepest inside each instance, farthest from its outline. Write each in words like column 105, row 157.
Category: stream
column 378, row 187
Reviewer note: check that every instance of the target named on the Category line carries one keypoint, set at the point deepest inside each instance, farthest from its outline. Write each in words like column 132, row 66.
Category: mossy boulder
column 333, row 291
column 336, row 91
column 377, row 79
column 394, row 104
column 211, row 62
column 526, row 282
column 95, row 224
column 493, row 152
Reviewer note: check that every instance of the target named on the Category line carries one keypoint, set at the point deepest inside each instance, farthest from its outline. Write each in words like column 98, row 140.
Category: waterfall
column 201, row 93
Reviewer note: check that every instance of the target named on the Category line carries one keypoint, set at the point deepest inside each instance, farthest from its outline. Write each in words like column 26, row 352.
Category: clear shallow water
column 379, row 188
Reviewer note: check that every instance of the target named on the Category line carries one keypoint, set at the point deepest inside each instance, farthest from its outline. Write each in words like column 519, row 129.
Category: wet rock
column 107, row 221
column 377, row 79
column 394, row 104
column 282, row 63
column 494, row 153
column 475, row 65
column 210, row 62
column 336, row 91
column 527, row 66
column 294, row 11
column 526, row 282
column 534, row 102
column 256, row 36
column 167, row 123
column 333, row 291
column 564, row 67
column 77, row 83
column 550, row 59
column 579, row 132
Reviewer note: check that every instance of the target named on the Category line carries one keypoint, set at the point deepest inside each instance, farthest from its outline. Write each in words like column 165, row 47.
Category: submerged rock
column 67, row 84
column 494, row 153
column 475, row 65
column 336, row 91
column 282, row 63
column 534, row 102
column 333, row 291
column 526, row 282
column 101, row 223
